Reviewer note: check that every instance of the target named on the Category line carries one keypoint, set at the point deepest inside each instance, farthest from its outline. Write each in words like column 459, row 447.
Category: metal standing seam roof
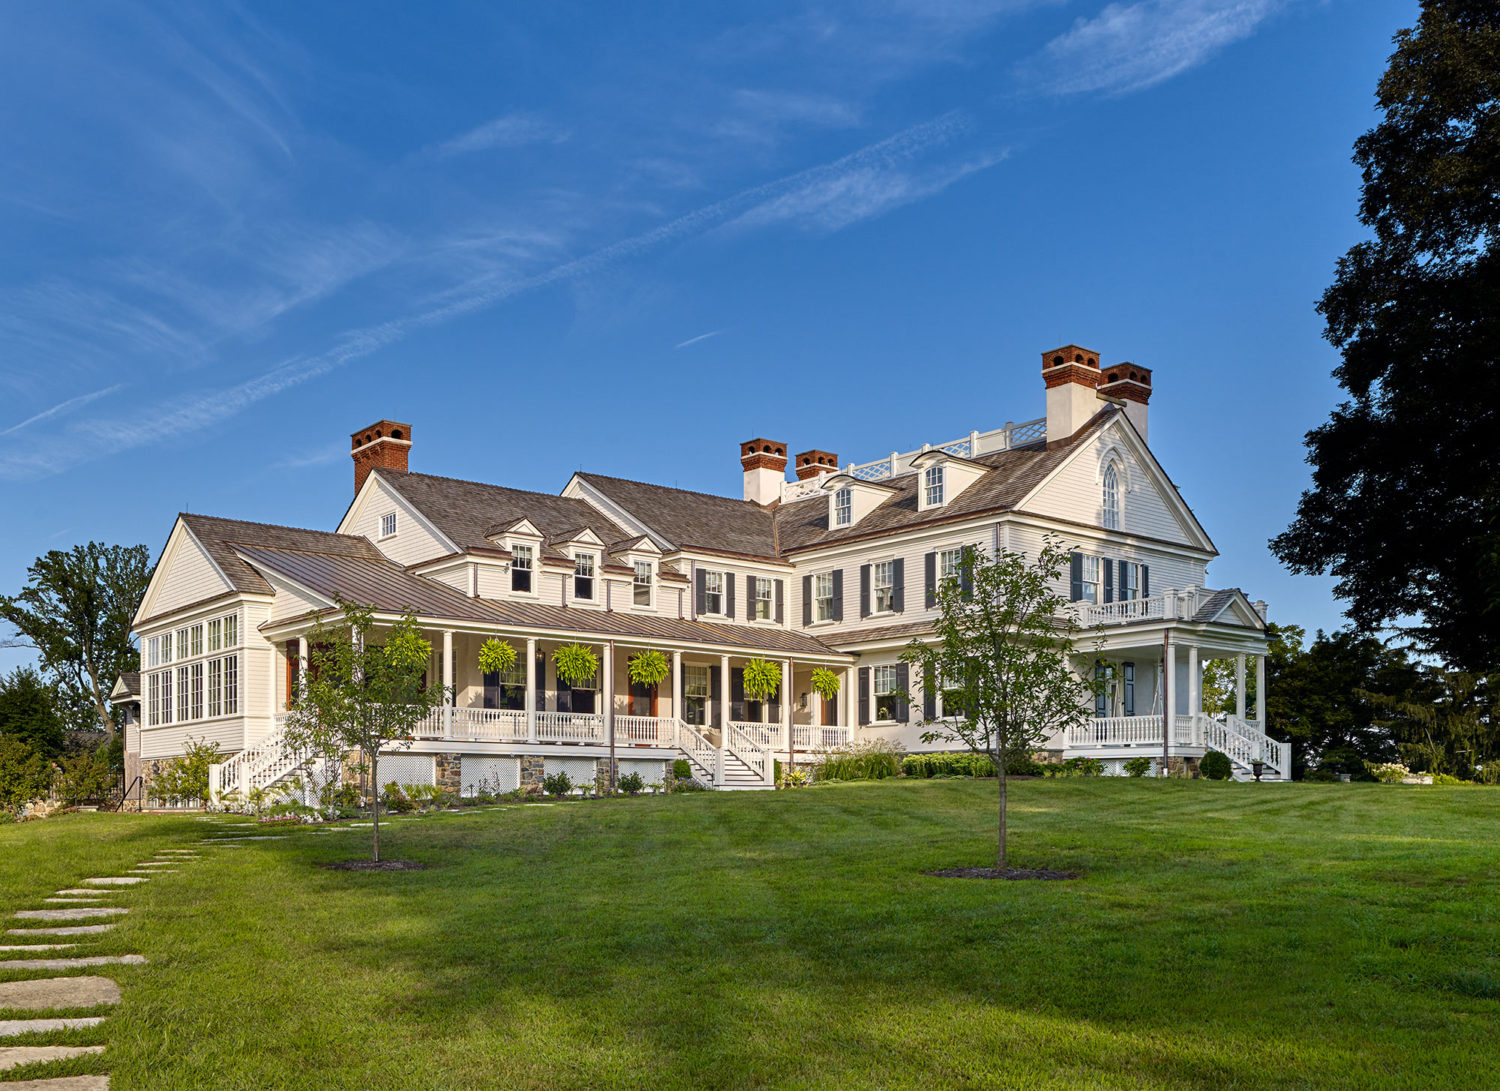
column 219, row 537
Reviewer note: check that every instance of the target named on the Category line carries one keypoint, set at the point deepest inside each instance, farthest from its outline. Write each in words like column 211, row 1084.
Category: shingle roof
column 467, row 511
column 691, row 520
column 220, row 536
column 1012, row 475
column 127, row 687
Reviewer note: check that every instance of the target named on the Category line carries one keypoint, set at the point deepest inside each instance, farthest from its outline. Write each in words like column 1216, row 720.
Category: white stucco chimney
column 764, row 463
column 1131, row 383
column 1072, row 377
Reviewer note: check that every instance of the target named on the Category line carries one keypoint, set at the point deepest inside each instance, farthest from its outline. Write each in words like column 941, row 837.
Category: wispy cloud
column 509, row 131
column 762, row 116
column 62, row 407
column 1127, row 47
column 695, row 340
column 321, row 456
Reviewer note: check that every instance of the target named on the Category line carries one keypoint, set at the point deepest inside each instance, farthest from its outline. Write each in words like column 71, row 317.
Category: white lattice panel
column 495, row 774
column 407, row 769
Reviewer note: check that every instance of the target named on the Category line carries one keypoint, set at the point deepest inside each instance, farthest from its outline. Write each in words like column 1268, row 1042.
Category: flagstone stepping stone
column 76, row 930
column 11, row 1056
column 156, row 864
column 116, row 880
column 59, row 992
column 9, row 1028
column 71, row 963
column 91, row 891
column 152, row 871
column 59, row 1083
column 73, row 901
column 77, row 913
column 35, row 946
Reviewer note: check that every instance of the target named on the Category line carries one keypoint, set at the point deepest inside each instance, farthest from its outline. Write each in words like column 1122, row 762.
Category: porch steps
column 739, row 777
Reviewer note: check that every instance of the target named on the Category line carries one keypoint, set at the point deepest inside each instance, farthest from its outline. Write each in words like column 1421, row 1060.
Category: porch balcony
column 1243, row 741
column 1168, row 605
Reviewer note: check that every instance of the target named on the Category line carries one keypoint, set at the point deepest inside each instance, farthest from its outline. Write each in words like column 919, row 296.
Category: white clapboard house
column 833, row 569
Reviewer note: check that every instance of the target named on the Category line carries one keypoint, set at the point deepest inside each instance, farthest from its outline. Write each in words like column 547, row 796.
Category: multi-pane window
column 231, row 631
column 166, row 696
column 950, row 565
column 763, row 602
column 153, row 700
column 520, row 567
column 583, row 576
column 713, row 592
column 1130, row 581
column 1090, row 569
column 932, row 485
column 182, row 644
column 195, row 678
column 507, row 688
column 215, row 634
column 195, row 640
column 231, row 685
column 215, row 687
column 1109, row 514
column 166, row 647
column 885, row 692
column 823, row 596
column 388, row 524
column 641, row 585
column 843, row 507
column 182, row 693
column 882, row 585
column 695, row 694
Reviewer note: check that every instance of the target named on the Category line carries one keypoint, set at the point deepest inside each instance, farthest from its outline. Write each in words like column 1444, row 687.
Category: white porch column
column 448, row 696
column 1169, row 690
column 847, row 707
column 723, row 711
column 1239, row 685
column 676, row 686
column 531, row 709
column 786, row 710
column 607, row 683
column 1260, row 693
column 815, row 713
column 1195, row 690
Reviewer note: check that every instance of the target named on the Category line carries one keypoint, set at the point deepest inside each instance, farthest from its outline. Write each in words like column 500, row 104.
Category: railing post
column 531, row 709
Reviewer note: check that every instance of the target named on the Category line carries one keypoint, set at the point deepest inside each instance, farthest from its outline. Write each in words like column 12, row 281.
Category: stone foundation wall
column 531, row 772
column 449, row 770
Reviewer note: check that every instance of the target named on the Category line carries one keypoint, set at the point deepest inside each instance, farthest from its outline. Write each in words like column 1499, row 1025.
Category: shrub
column 396, row 801
column 1077, row 767
column 1444, row 778
column 557, row 784
column 25, row 775
column 681, row 767
column 947, row 765
column 632, row 784
column 1138, row 767
column 1389, row 772
column 1024, row 767
column 186, row 778
column 688, row 784
column 874, row 759
column 1215, row 766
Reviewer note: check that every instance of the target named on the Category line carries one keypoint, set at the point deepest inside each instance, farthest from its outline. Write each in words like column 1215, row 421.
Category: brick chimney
column 384, row 445
column 764, row 463
column 1131, row 383
column 1071, row 374
column 814, row 464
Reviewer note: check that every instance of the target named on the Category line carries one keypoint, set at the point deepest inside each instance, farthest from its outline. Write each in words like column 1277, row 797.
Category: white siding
column 289, row 601
column 1075, row 494
column 1167, row 570
column 411, row 544
column 188, row 575
column 169, row 740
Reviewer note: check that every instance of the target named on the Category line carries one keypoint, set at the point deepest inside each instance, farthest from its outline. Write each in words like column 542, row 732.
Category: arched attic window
column 1109, row 503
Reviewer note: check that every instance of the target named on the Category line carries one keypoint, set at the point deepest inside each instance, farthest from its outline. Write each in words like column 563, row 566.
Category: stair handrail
column 739, row 743
column 699, row 751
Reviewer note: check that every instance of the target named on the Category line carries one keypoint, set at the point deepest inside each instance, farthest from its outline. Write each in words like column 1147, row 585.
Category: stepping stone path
column 78, row 903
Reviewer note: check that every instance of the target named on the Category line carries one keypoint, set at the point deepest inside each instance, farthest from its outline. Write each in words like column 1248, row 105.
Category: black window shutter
column 1109, row 579
column 729, row 594
column 541, row 680
column 714, row 685
column 1145, row 580
column 966, row 572
column 564, row 698
column 903, row 688
column 736, row 693
column 701, row 591
column 929, row 565
column 864, row 695
column 838, row 594
column 806, row 600
column 749, row 598
column 780, row 602
column 864, row 590
column 929, row 694
column 898, row 585
column 1075, row 575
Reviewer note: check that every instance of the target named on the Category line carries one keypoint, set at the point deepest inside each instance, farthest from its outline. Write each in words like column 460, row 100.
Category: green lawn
column 1222, row 935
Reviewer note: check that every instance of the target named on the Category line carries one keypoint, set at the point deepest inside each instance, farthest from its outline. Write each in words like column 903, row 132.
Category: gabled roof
column 127, row 688
column 468, row 512
column 1010, row 477
column 691, row 520
column 219, row 537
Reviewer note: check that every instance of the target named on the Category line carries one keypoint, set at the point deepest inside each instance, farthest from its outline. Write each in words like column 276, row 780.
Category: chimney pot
column 815, row 463
column 384, row 445
column 764, row 464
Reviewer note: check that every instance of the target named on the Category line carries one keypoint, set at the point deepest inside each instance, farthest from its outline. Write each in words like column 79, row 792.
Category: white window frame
column 642, row 580
column 1130, row 582
column 182, row 694
column 765, row 597
column 387, row 526
column 215, row 634
column 843, row 507
column 1093, row 588
column 231, row 630
column 153, row 699
column 231, row 685
column 709, row 578
column 215, row 688
column 822, row 602
column 950, row 564
column 933, row 487
column 195, row 638
column 523, row 559
column 166, row 695
column 166, row 647
column 886, row 671
column 1109, row 497
column 886, row 568
column 585, row 567
column 195, row 703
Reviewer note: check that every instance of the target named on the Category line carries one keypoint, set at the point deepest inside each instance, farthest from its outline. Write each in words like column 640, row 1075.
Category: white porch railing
column 706, row 758
column 1152, row 608
column 767, row 736
column 758, row 758
column 656, row 730
column 1241, row 740
column 489, row 724
column 819, row 736
column 570, row 727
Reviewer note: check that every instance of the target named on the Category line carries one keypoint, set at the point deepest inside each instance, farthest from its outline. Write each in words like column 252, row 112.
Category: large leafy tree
column 365, row 689
column 75, row 612
column 29, row 713
column 1001, row 651
column 1406, row 474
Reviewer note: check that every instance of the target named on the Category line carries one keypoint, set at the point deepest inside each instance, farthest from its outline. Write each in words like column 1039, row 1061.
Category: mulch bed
column 374, row 865
column 1001, row 873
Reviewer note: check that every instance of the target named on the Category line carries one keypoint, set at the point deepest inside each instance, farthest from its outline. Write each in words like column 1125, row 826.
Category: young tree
column 28, row 712
column 362, row 695
column 75, row 611
column 1001, row 652
column 1404, row 502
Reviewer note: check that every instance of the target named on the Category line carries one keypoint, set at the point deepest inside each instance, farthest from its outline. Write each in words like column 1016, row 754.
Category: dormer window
column 583, row 576
column 388, row 525
column 843, row 507
column 1109, row 507
column 932, row 485
column 521, row 565
column 641, row 585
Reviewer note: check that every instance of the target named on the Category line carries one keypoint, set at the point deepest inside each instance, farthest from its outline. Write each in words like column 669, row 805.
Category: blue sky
column 564, row 236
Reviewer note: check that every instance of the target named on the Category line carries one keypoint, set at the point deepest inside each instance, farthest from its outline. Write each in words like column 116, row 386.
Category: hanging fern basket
column 826, row 683
column 575, row 664
column 496, row 656
column 762, row 679
column 649, row 668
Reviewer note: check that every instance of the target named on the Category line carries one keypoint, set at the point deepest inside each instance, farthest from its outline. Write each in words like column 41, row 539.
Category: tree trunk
column 1000, row 855
column 375, row 802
